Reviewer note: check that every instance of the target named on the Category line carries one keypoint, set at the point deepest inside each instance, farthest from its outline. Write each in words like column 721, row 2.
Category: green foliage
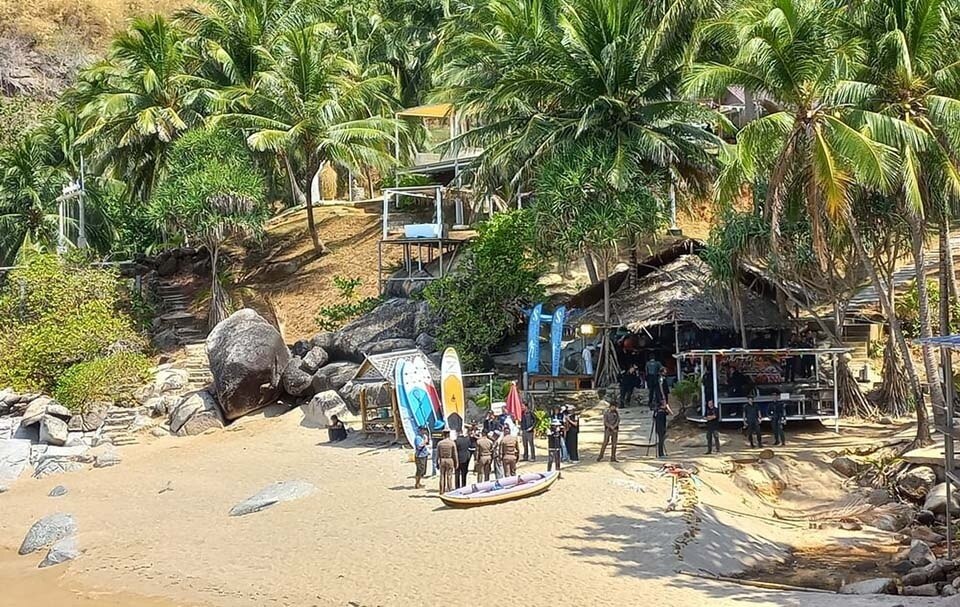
column 112, row 379
column 19, row 114
column 686, row 390
column 907, row 308
column 542, row 426
column 350, row 306
column 56, row 314
column 482, row 301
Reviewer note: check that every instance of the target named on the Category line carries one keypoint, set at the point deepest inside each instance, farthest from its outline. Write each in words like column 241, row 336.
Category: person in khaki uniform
column 484, row 458
column 509, row 452
column 447, row 454
column 611, row 427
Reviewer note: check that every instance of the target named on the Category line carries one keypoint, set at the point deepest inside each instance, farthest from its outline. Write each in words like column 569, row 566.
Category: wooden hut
column 378, row 408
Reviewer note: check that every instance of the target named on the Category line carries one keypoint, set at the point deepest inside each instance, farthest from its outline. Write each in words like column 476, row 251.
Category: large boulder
column 53, row 430
column 378, row 394
column 916, row 482
column 196, row 413
column 393, row 319
column 41, row 406
column 936, row 500
column 48, row 530
column 14, row 457
column 388, row 345
column 247, row 357
column 283, row 491
column 295, row 381
column 891, row 517
column 334, row 376
column 317, row 413
column 874, row 586
column 426, row 342
column 845, row 466
column 89, row 421
column 920, row 554
column 62, row 551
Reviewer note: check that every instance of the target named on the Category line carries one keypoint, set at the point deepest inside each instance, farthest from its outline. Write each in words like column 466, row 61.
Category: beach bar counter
column 805, row 379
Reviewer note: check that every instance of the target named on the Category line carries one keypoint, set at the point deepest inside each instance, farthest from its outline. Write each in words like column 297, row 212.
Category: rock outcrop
column 194, row 414
column 48, row 530
column 393, row 319
column 247, row 358
column 917, row 482
column 62, row 551
column 321, row 407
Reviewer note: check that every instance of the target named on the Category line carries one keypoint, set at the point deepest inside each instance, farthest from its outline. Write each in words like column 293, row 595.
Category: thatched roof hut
column 683, row 291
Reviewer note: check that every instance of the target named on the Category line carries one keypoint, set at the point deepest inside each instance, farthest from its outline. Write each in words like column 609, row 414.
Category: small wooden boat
column 505, row 489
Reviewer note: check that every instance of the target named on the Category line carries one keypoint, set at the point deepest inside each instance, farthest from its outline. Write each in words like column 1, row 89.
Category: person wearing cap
column 509, row 452
column 421, row 453
column 558, row 416
column 484, row 457
column 611, row 427
column 447, row 454
column 571, row 432
column 554, row 440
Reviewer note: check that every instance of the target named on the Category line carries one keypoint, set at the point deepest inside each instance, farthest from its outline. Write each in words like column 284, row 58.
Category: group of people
column 654, row 379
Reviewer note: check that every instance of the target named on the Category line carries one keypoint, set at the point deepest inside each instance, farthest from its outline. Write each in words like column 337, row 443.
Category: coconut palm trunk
column 218, row 296
column 299, row 195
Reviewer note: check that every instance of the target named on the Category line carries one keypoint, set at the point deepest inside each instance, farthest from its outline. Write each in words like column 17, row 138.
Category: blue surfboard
column 556, row 338
column 533, row 339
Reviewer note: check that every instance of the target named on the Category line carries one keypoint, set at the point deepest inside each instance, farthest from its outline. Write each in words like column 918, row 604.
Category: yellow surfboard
column 451, row 389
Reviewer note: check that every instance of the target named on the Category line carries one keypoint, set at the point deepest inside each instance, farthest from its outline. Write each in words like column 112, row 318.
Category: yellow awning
column 437, row 110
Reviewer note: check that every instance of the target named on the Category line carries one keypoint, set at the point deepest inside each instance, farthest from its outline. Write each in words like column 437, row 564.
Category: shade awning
column 436, row 110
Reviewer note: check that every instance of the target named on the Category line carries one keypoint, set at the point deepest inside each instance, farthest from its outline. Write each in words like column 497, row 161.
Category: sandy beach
column 156, row 532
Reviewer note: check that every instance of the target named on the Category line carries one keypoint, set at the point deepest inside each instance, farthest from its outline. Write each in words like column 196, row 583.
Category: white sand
column 366, row 538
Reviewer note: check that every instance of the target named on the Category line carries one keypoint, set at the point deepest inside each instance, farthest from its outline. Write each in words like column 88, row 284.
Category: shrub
column 482, row 301
column 56, row 314
column 686, row 391
column 351, row 305
column 110, row 379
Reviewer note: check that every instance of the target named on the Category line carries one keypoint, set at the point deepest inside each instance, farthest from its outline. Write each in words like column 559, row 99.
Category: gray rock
column 326, row 341
column 106, row 459
column 889, row 517
column 159, row 432
column 48, row 530
column 886, row 421
column 53, row 431
column 314, row 359
column 914, row 578
column 7, row 395
column 301, row 348
column 196, row 413
column 845, row 466
column 247, row 356
column 874, row 586
column 334, row 376
column 393, row 319
column 387, row 345
column 283, row 491
column 878, row 497
column 924, row 590
column 948, row 591
column 57, row 491
column 316, row 413
column 916, row 482
column 51, row 466
column 62, row 551
column 926, row 535
column 171, row 380
column 920, row 554
column 87, row 422
column 9, row 427
column 936, row 500
column 59, row 411
column 426, row 342
column 295, row 381
column 35, row 411
column 956, row 583
column 14, row 457
column 925, row 517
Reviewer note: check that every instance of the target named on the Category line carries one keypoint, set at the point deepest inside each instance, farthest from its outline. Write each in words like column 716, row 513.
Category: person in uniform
column 447, row 454
column 528, row 423
column 497, row 461
column 713, row 427
column 554, row 440
column 464, row 453
column 660, row 417
column 509, row 452
column 571, row 432
column 751, row 421
column 484, row 458
column 778, row 419
column 421, row 453
column 611, row 427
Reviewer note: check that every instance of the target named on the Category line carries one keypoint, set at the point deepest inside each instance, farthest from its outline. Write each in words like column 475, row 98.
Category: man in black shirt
column 652, row 370
column 528, row 422
column 778, row 419
column 554, row 440
column 463, row 459
column 713, row 427
column 628, row 382
column 751, row 421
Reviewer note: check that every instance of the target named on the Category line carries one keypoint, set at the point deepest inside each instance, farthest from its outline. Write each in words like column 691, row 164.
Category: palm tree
column 535, row 75
column 136, row 103
column 797, row 57
column 314, row 106
column 912, row 75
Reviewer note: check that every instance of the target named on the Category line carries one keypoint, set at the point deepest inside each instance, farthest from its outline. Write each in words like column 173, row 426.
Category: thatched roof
column 682, row 289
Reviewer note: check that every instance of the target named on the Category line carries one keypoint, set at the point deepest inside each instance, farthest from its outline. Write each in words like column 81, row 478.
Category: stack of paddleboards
column 421, row 405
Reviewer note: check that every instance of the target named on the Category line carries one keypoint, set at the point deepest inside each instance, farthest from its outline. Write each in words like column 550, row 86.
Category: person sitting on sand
column 484, row 458
column 421, row 453
column 611, row 427
column 447, row 454
column 509, row 452
column 336, row 431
